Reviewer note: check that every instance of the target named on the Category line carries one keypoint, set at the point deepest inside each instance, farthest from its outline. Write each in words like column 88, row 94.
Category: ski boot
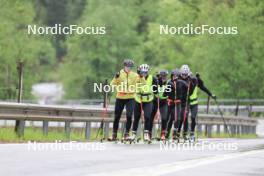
column 133, row 137
column 125, row 138
column 176, row 137
column 185, row 137
column 163, row 136
column 146, row 137
column 114, row 138
column 192, row 137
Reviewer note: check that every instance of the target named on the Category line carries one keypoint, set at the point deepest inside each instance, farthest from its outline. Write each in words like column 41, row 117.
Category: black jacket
column 181, row 90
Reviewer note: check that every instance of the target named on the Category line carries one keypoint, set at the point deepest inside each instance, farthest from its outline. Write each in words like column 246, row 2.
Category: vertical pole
column 87, row 130
column 250, row 110
column 105, row 96
column 20, row 124
column 208, row 104
column 237, row 107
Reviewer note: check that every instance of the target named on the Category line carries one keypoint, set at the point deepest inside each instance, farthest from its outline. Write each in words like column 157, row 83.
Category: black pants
column 147, row 109
column 119, row 107
column 194, row 111
column 163, row 113
column 173, row 116
column 184, row 114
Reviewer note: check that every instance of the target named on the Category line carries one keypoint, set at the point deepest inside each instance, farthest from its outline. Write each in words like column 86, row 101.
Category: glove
column 213, row 96
column 117, row 75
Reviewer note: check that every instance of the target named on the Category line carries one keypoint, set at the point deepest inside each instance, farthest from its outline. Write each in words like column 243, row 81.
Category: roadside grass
column 226, row 135
column 7, row 135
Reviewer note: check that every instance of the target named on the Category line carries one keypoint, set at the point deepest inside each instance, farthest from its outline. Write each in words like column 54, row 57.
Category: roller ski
column 126, row 138
column 192, row 137
column 146, row 138
column 176, row 137
column 133, row 138
column 113, row 138
column 185, row 137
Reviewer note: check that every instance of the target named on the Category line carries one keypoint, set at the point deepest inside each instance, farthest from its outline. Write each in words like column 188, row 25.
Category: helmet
column 176, row 72
column 144, row 68
column 163, row 73
column 185, row 70
column 128, row 63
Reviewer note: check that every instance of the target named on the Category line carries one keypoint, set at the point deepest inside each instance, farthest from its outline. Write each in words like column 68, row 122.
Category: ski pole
column 157, row 117
column 222, row 116
column 142, row 117
column 175, row 105
column 104, row 114
column 186, row 103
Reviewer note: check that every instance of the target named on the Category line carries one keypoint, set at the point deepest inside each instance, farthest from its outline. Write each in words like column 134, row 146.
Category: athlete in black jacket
column 176, row 100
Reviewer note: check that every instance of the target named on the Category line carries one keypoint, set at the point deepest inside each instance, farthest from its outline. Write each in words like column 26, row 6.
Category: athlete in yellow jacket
column 125, row 83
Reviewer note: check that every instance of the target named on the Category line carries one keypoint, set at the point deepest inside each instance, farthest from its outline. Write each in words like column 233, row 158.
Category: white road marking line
column 156, row 170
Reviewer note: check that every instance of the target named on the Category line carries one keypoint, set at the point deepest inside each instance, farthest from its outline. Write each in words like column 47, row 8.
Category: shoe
column 185, row 136
column 162, row 136
column 126, row 137
column 192, row 137
column 146, row 135
column 176, row 135
column 114, row 137
column 133, row 136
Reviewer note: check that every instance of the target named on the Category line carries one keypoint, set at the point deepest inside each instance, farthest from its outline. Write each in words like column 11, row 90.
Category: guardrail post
column 199, row 128
column 205, row 130
column 225, row 129
column 209, row 131
column 207, row 105
column 87, row 130
column 45, row 127
column 250, row 110
column 233, row 130
column 237, row 107
column 218, row 127
column 237, row 129
column 68, row 129
column 254, row 129
column 106, row 130
column 21, row 127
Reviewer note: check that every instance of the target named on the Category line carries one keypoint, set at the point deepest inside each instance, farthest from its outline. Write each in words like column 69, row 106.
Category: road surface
column 233, row 157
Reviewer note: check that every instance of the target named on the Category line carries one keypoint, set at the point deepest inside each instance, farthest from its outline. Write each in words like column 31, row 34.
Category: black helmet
column 128, row 63
column 197, row 74
column 176, row 72
column 163, row 73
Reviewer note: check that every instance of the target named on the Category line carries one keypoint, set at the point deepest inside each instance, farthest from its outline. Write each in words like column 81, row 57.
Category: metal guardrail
column 68, row 114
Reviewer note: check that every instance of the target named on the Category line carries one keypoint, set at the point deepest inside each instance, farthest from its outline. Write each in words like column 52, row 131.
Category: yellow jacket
column 125, row 84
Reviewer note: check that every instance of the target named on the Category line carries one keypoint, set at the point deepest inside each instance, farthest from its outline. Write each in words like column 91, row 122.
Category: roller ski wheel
column 133, row 138
column 102, row 140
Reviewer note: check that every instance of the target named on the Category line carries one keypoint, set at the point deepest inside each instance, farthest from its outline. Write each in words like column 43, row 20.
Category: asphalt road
column 218, row 157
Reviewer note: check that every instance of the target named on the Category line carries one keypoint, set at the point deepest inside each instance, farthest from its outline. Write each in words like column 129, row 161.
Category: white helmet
column 144, row 68
column 185, row 70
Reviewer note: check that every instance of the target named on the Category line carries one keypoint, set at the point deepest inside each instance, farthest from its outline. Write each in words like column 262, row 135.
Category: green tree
column 15, row 44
